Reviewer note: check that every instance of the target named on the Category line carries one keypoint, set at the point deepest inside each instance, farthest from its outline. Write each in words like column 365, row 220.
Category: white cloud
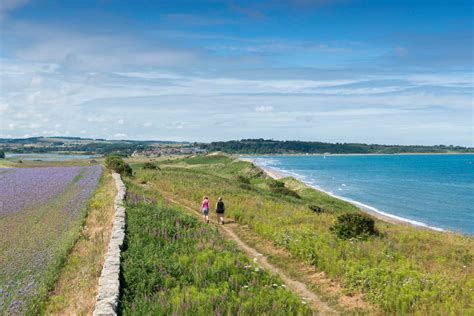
column 83, row 51
column 176, row 125
column 36, row 81
column 400, row 51
column 32, row 125
column 9, row 5
column 34, row 97
column 149, row 75
column 96, row 119
column 3, row 107
column 264, row 108
column 72, row 80
column 51, row 133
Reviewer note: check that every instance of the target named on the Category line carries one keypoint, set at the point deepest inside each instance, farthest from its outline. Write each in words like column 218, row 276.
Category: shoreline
column 380, row 215
column 239, row 156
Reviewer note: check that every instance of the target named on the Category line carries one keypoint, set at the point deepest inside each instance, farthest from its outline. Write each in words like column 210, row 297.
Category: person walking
column 220, row 208
column 205, row 209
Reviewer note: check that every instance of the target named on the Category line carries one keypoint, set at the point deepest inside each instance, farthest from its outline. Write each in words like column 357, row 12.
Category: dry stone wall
column 109, row 282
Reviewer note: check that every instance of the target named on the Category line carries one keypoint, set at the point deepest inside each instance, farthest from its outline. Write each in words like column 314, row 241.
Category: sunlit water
column 431, row 190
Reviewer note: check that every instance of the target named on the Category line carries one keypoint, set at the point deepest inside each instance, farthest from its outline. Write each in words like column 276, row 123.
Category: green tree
column 117, row 164
column 354, row 225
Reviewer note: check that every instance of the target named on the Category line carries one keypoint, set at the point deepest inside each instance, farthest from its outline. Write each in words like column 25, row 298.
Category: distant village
column 168, row 150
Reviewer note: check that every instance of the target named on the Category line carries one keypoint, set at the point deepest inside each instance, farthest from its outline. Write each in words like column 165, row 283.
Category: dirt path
column 298, row 287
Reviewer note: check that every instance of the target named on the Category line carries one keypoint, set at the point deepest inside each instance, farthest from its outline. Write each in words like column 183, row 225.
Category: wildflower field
column 41, row 211
column 401, row 270
column 174, row 264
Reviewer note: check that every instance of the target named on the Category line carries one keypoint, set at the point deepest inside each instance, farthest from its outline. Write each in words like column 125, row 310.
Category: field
column 174, row 264
column 41, row 212
column 401, row 270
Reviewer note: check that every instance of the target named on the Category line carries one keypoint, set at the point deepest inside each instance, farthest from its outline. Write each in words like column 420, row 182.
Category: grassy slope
column 74, row 292
column 175, row 264
column 404, row 270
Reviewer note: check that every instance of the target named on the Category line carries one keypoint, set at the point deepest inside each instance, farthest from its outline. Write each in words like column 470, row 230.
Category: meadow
column 173, row 264
column 41, row 213
column 400, row 270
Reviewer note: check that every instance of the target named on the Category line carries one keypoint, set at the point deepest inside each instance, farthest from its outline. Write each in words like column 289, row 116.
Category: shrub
column 278, row 187
column 354, row 225
column 243, row 179
column 316, row 208
column 244, row 183
column 2, row 154
column 116, row 163
column 150, row 166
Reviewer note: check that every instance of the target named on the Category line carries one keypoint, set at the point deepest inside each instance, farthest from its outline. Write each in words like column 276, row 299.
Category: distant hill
column 245, row 146
column 77, row 144
column 270, row 146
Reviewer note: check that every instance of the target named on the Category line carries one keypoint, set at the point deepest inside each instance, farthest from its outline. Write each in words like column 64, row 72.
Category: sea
column 435, row 191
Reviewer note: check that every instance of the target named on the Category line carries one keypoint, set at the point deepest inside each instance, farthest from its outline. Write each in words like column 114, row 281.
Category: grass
column 75, row 290
column 402, row 270
column 174, row 264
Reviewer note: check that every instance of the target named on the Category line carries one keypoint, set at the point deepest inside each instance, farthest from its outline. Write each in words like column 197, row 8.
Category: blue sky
column 393, row 72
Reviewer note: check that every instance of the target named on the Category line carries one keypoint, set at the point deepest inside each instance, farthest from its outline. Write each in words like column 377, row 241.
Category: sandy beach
column 388, row 219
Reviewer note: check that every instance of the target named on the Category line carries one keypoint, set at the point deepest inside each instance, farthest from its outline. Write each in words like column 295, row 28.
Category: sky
column 387, row 72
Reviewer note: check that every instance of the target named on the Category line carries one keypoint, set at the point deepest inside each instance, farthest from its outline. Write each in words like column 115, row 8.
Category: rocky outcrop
column 109, row 282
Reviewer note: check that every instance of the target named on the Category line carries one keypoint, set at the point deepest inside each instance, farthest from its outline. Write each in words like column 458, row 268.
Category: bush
column 243, row 179
column 150, row 166
column 354, row 225
column 316, row 208
column 278, row 187
column 2, row 154
column 116, row 163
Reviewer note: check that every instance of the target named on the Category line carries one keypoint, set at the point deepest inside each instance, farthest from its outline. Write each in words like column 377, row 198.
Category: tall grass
column 402, row 270
column 74, row 292
column 175, row 265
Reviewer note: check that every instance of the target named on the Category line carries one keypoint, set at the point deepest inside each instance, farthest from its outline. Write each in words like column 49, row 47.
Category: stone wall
column 109, row 282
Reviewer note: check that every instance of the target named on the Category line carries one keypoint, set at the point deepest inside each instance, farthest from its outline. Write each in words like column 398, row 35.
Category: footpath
column 315, row 302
